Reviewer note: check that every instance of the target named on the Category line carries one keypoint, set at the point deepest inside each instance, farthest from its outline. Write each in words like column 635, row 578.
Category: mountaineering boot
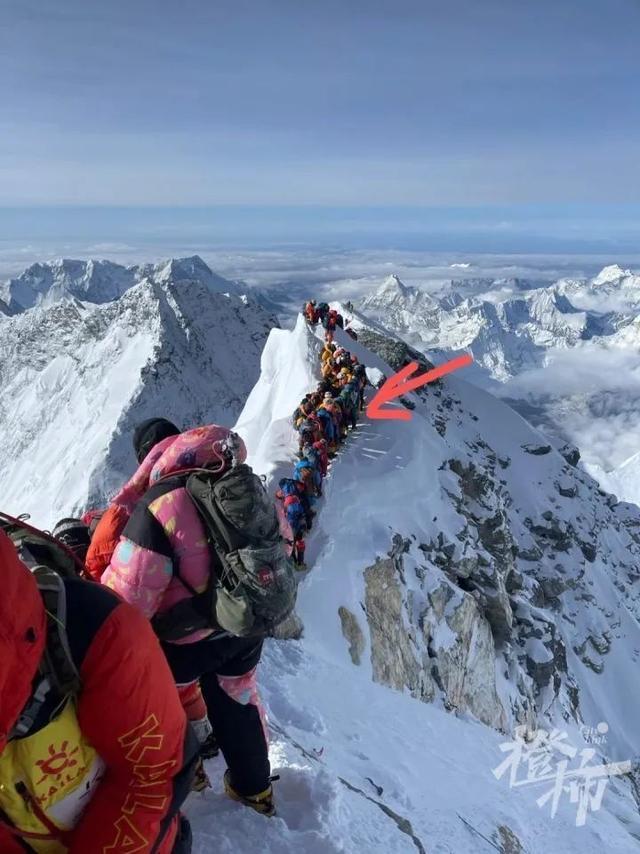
column 262, row 802
column 209, row 747
column 201, row 779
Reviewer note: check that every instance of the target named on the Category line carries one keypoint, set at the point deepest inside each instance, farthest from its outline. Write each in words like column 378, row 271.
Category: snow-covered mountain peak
column 99, row 282
column 611, row 275
column 90, row 281
column 75, row 378
column 191, row 269
column 401, row 301
column 392, row 285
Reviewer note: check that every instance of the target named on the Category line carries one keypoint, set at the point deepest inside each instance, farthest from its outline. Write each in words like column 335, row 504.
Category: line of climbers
column 329, row 318
column 323, row 420
column 129, row 646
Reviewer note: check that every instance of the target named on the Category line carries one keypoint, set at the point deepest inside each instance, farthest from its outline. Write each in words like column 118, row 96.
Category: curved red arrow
column 400, row 384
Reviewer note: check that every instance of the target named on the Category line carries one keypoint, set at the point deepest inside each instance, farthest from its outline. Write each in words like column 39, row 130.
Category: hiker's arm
column 105, row 540
column 141, row 568
column 130, row 712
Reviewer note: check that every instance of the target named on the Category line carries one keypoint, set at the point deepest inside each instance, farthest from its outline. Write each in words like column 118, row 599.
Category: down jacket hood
column 202, row 447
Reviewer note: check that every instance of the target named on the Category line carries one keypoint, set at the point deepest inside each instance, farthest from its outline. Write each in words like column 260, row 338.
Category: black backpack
column 253, row 583
column 39, row 548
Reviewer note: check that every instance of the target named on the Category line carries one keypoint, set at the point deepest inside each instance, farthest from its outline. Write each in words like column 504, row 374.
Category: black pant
column 184, row 839
column 237, row 727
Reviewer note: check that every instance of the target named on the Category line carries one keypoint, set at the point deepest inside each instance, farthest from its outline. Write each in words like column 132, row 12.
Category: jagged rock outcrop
column 395, row 352
column 393, row 653
column 352, row 633
column 461, row 647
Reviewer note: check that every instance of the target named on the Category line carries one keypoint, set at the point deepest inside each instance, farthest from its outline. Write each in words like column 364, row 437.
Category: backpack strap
column 57, row 671
column 58, row 656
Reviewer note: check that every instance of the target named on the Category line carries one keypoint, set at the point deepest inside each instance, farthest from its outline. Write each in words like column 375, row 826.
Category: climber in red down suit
column 102, row 767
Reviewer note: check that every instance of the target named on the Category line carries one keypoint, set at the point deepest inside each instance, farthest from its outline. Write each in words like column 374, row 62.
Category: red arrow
column 401, row 384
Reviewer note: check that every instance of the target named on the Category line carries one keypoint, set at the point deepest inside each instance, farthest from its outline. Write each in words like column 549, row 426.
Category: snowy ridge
column 364, row 768
column 288, row 371
column 102, row 281
column 76, row 379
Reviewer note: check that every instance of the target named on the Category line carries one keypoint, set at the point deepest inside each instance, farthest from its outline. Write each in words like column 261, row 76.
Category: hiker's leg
column 238, row 718
column 186, row 665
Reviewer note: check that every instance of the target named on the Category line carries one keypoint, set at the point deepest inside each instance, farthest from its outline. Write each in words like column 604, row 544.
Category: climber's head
column 149, row 433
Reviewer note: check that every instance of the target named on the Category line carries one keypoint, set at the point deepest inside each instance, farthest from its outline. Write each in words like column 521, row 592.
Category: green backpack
column 253, row 582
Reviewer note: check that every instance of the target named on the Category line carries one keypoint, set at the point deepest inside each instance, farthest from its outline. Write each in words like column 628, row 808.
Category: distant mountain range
column 100, row 281
column 565, row 355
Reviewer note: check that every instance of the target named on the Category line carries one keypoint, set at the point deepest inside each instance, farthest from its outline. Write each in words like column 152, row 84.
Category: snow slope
column 364, row 768
column 623, row 480
column 76, row 378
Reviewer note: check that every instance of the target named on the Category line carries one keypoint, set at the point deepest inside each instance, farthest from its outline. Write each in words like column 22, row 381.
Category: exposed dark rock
column 532, row 554
column 397, row 354
column 567, row 488
column 353, row 633
column 557, row 532
column 399, row 545
column 552, row 587
column 537, row 450
column 601, row 643
column 540, row 671
column 571, row 454
column 507, row 841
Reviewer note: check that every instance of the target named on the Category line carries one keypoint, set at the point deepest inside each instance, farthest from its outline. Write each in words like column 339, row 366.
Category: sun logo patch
column 57, row 762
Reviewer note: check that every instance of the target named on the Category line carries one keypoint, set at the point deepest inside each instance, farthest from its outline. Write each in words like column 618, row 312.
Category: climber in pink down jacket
column 164, row 527
column 162, row 559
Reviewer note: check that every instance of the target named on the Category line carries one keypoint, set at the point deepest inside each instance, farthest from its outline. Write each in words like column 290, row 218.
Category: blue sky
column 356, row 103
